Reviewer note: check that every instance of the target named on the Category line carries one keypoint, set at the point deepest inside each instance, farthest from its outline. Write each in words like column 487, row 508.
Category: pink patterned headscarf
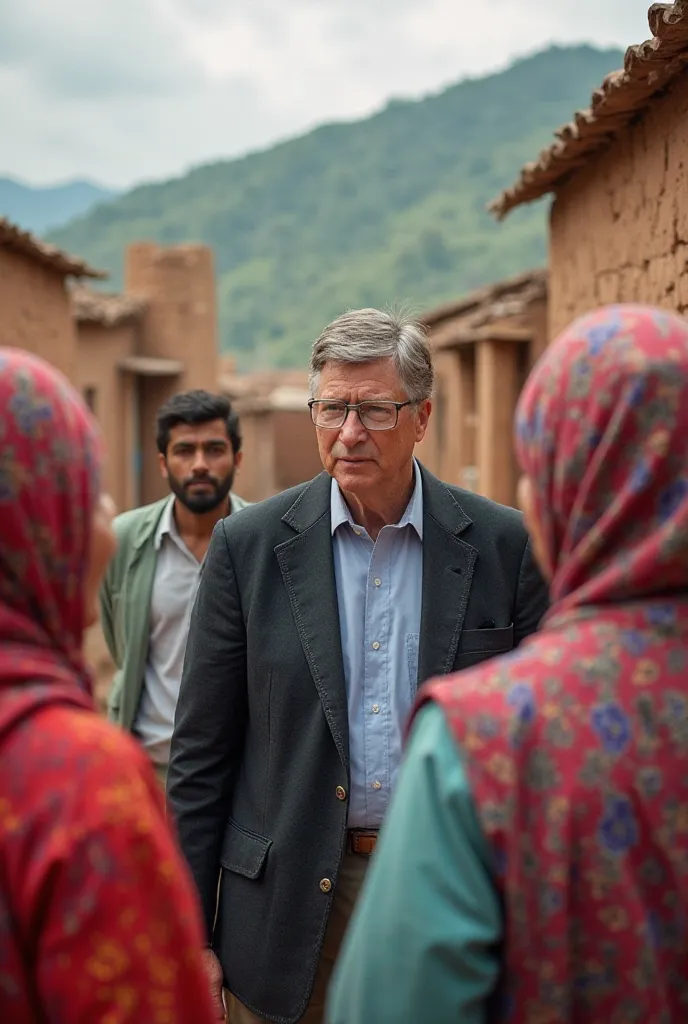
column 602, row 433
column 50, row 457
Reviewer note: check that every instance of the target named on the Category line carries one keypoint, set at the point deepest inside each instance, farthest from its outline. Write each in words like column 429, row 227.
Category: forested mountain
column 389, row 209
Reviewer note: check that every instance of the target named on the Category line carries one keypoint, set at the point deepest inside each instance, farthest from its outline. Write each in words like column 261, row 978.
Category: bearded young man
column 150, row 587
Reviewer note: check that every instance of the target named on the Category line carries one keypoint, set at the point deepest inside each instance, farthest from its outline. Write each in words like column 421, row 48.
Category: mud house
column 160, row 336
column 127, row 353
column 137, row 348
column 35, row 312
column 484, row 345
column 280, row 447
column 619, row 175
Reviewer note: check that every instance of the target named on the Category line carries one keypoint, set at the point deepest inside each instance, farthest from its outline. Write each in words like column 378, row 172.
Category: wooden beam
column 456, row 336
column 448, row 448
column 466, row 428
column 497, row 394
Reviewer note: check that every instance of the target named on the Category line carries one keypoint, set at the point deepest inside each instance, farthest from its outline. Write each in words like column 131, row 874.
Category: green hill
column 386, row 210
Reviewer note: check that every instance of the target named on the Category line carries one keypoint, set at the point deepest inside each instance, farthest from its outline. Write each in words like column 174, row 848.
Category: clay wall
column 35, row 310
column 469, row 440
column 256, row 478
column 178, row 284
column 619, row 226
column 295, row 447
column 110, row 393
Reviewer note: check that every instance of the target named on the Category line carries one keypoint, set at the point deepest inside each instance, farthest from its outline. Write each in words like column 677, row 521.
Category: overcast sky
column 121, row 91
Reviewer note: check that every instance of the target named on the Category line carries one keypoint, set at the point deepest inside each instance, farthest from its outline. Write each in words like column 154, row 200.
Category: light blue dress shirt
column 379, row 593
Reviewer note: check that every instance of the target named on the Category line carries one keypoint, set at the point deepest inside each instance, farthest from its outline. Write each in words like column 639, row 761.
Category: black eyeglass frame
column 348, row 406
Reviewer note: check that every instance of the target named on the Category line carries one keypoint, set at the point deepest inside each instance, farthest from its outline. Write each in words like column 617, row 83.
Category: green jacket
column 125, row 598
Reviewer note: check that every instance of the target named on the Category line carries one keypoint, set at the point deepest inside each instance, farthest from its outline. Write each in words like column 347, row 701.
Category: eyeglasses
column 332, row 414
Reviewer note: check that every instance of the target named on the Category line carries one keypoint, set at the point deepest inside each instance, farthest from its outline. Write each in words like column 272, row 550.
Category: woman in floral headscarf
column 97, row 918
column 534, row 864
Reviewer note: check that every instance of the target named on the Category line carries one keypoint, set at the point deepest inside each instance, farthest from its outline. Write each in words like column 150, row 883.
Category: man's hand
column 214, row 975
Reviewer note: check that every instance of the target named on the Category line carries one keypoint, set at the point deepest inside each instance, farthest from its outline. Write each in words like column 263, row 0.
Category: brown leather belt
column 362, row 840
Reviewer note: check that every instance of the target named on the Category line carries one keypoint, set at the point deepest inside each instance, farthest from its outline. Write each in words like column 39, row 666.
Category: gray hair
column 364, row 335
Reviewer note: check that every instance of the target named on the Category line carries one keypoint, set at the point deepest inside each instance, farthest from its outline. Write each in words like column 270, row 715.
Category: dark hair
column 195, row 407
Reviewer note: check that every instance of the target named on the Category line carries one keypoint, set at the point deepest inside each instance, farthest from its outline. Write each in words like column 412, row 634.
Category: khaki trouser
column 161, row 772
column 351, row 876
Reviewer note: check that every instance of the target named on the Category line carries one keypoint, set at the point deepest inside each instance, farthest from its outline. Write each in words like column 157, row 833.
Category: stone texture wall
column 34, row 310
column 619, row 226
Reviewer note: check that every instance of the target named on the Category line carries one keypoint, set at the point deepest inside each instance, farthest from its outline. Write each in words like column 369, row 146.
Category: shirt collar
column 413, row 516
column 167, row 524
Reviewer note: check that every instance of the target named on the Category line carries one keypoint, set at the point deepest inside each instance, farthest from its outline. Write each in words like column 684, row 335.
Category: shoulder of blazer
column 482, row 515
column 265, row 518
column 489, row 515
column 238, row 502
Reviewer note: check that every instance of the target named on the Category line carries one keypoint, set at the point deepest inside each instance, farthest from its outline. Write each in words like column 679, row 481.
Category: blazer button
column 325, row 884
column 340, row 793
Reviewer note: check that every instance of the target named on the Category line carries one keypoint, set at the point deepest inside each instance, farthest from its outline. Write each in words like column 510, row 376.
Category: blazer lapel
column 448, row 563
column 307, row 565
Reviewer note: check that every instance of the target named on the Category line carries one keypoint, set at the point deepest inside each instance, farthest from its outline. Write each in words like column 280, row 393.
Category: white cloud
column 142, row 89
column 75, row 49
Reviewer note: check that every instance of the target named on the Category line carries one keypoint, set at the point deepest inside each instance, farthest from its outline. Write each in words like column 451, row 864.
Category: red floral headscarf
column 50, row 458
column 602, row 433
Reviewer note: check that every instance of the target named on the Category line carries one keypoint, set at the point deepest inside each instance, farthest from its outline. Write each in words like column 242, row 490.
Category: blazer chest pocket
column 476, row 645
column 244, row 852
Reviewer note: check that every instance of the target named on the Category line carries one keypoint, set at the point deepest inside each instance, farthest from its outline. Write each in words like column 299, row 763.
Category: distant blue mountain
column 40, row 209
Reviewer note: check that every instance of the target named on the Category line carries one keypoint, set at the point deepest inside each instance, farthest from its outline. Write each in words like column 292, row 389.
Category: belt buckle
column 363, row 841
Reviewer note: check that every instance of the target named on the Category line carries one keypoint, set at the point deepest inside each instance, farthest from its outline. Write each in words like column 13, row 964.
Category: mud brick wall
column 34, row 310
column 619, row 226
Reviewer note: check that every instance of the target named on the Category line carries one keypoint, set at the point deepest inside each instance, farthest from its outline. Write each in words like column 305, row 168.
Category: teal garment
column 423, row 943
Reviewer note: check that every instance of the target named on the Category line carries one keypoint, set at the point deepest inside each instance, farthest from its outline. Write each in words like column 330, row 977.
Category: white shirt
column 177, row 575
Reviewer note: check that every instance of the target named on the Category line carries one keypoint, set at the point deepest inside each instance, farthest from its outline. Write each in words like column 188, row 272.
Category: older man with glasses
column 318, row 614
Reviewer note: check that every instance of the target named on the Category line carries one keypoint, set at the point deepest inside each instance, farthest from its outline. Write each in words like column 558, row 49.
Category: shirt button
column 377, row 582
column 357, row 532
column 340, row 793
column 376, row 645
column 325, row 885
column 376, row 709
column 377, row 785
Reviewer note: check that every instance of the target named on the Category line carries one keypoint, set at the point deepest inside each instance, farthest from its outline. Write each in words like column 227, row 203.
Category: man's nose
column 352, row 430
column 200, row 464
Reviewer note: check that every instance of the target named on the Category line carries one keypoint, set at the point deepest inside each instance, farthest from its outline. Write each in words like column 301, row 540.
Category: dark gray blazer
column 261, row 731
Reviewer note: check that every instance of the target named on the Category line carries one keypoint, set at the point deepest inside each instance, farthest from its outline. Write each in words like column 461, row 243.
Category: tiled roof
column 648, row 67
column 12, row 237
column 105, row 308
column 506, row 298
